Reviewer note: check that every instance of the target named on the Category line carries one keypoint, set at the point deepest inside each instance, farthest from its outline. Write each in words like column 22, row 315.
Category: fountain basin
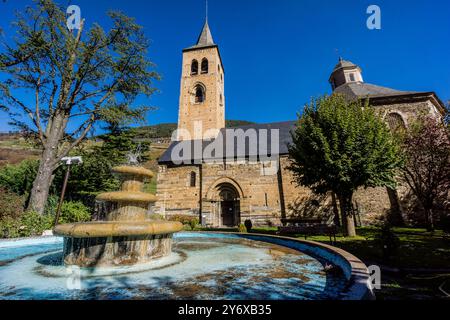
column 211, row 266
column 116, row 229
column 116, row 243
column 126, row 196
column 133, row 171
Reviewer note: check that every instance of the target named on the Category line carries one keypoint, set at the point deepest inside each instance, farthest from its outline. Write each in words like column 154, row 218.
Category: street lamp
column 69, row 161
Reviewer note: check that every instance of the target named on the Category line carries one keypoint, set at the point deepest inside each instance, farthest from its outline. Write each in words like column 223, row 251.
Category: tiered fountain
column 127, row 235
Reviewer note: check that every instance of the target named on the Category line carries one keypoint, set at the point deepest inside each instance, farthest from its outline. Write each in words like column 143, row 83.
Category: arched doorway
column 229, row 205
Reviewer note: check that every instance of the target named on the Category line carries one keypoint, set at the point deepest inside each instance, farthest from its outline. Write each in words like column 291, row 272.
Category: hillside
column 164, row 130
column 14, row 148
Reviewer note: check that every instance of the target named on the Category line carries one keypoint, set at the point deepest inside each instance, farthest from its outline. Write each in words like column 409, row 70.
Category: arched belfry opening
column 205, row 66
column 194, row 67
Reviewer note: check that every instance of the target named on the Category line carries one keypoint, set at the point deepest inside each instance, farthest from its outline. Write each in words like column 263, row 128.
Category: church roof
column 364, row 90
column 285, row 138
column 344, row 64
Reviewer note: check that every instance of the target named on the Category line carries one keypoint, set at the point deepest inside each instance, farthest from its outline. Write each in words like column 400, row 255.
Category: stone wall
column 408, row 111
column 174, row 193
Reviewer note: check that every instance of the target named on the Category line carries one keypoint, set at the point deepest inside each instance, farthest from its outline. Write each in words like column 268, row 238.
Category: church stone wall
column 409, row 111
column 174, row 193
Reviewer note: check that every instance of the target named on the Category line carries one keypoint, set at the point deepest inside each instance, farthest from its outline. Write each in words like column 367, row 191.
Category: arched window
column 194, row 67
column 199, row 94
column 205, row 65
column 221, row 100
column 395, row 122
column 192, row 179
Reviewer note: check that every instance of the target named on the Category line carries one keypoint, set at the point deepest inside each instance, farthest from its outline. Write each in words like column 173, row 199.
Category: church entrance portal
column 229, row 205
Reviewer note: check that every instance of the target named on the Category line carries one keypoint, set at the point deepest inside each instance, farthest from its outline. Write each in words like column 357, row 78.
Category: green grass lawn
column 418, row 249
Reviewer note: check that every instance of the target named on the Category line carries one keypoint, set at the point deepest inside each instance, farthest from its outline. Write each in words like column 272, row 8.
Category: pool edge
column 358, row 273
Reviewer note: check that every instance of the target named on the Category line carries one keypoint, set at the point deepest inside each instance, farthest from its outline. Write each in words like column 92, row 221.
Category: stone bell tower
column 202, row 98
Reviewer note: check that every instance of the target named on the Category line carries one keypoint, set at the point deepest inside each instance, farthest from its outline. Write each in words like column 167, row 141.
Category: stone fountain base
column 116, row 244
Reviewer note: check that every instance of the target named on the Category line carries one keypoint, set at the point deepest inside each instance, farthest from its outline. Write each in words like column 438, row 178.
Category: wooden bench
column 307, row 227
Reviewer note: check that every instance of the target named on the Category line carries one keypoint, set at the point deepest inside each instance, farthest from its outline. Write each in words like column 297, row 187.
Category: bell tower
column 202, row 99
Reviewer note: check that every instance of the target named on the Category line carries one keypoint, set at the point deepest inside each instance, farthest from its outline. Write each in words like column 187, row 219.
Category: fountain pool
column 200, row 266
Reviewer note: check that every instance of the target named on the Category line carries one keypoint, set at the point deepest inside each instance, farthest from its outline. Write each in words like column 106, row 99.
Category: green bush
column 19, row 178
column 9, row 228
column 30, row 224
column 194, row 223
column 33, row 224
column 74, row 211
column 11, row 204
column 242, row 228
column 184, row 219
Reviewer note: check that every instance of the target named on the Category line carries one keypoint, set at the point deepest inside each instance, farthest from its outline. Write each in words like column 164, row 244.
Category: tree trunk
column 41, row 185
column 47, row 164
column 345, row 202
column 395, row 215
column 337, row 219
column 430, row 219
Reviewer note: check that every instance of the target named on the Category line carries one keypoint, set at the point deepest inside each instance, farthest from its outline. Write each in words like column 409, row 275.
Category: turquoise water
column 202, row 266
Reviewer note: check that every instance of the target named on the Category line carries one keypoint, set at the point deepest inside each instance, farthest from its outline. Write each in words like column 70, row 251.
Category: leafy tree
column 54, row 77
column 426, row 147
column 340, row 146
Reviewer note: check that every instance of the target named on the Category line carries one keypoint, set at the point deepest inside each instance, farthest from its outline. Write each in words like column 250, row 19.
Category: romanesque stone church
column 253, row 186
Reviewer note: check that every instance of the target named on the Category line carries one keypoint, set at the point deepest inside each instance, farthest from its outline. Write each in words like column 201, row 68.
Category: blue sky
column 278, row 54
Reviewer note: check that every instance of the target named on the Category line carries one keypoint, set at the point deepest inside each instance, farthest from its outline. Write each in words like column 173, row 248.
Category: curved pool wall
column 354, row 269
column 355, row 272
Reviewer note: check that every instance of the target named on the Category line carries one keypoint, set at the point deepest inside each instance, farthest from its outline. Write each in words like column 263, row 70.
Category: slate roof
column 205, row 38
column 285, row 139
column 363, row 90
column 344, row 64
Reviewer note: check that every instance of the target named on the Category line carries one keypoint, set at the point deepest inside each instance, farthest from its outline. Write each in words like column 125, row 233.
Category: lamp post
column 69, row 161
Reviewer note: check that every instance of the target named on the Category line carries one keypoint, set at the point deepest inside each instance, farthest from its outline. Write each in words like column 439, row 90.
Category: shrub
column 194, row 223
column 19, row 178
column 9, row 228
column 11, row 204
column 248, row 224
column 74, row 211
column 242, row 228
column 33, row 224
column 184, row 219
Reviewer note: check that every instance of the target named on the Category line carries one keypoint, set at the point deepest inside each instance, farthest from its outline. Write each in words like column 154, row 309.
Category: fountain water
column 127, row 235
